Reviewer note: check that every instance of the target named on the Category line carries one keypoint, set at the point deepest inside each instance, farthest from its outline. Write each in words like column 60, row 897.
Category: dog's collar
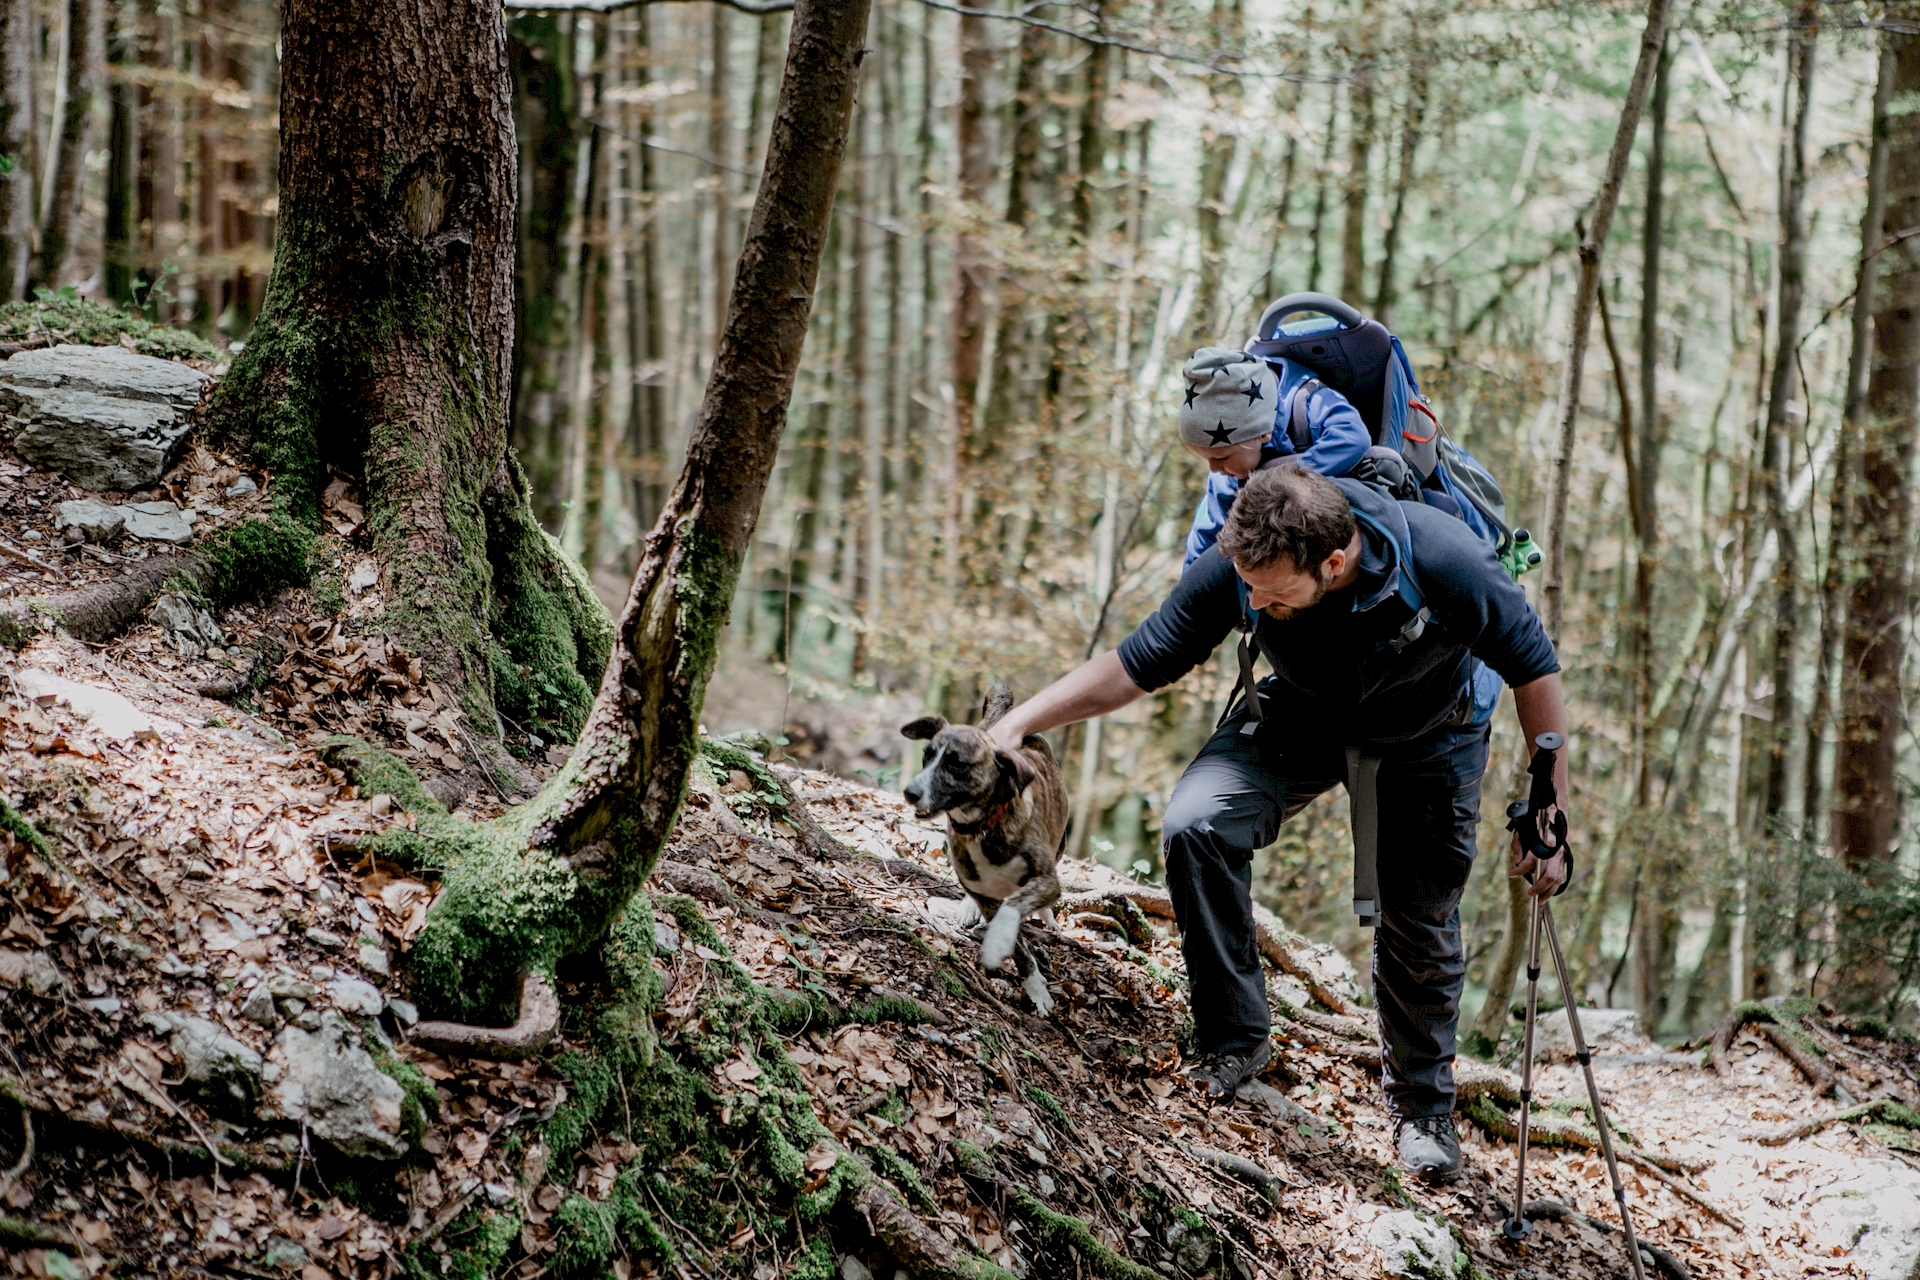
column 993, row 817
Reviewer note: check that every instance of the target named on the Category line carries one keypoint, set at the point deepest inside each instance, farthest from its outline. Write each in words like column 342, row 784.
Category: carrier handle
column 1295, row 303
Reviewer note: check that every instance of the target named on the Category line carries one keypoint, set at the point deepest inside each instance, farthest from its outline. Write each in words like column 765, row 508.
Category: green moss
column 950, row 984
column 23, row 831
column 476, row 1246
column 551, row 637
column 62, row 317
column 583, row 1234
column 1049, row 1104
column 421, row 1103
column 895, row 1168
column 1063, row 1231
column 816, row 1263
column 257, row 558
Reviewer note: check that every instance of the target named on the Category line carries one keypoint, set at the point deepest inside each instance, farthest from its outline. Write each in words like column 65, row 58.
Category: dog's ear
column 923, row 728
column 1017, row 768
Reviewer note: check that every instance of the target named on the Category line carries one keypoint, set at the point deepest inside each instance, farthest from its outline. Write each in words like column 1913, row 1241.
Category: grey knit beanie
column 1230, row 398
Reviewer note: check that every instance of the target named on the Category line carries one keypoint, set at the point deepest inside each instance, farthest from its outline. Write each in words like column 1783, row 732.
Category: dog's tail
column 999, row 702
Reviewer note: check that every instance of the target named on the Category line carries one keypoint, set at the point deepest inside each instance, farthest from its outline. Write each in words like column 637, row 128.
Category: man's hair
column 1285, row 513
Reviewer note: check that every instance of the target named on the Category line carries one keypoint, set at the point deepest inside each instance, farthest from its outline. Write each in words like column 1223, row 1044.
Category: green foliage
column 63, row 316
column 476, row 1246
column 1049, row 1104
column 255, row 559
column 22, row 830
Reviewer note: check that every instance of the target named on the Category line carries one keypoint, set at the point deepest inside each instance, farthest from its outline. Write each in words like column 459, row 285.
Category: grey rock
column 851, row 1268
column 1873, row 1213
column 106, row 1006
column 96, row 521
column 373, row 959
column 172, row 966
column 283, row 1254
column 306, row 1020
column 43, row 975
column 287, row 986
column 356, row 996
column 180, row 618
column 404, row 1012
column 96, row 441
column 1299, row 1129
column 105, row 371
column 258, row 1007
column 159, row 522
column 326, row 938
column 220, row 1068
column 1411, row 1244
column 331, row 1082
column 242, row 487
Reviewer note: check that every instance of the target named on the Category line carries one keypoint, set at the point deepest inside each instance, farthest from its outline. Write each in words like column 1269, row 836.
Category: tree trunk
column 1409, row 145
column 540, row 46
column 555, row 873
column 1093, row 136
column 1777, row 461
column 720, row 146
column 1866, row 800
column 86, row 58
column 1652, row 37
column 384, row 350
column 1353, row 231
column 647, row 428
column 1212, row 217
column 123, row 165
column 16, row 146
column 971, row 270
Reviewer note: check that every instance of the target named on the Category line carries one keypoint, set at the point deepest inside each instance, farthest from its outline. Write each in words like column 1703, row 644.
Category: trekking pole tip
column 1516, row 1228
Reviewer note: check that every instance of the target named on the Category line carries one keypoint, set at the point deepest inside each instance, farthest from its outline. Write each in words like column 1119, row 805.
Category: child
column 1236, row 416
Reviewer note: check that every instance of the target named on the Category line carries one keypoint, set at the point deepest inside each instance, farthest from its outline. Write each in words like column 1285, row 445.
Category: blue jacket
column 1339, row 437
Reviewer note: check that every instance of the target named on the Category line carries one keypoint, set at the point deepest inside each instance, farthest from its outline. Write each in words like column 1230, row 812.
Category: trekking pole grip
column 1541, row 835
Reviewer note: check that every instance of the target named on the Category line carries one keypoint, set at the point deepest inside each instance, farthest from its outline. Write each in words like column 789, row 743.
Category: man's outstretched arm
column 1096, row 687
column 1542, row 709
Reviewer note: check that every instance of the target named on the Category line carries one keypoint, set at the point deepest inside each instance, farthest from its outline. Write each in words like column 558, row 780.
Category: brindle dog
column 1006, row 821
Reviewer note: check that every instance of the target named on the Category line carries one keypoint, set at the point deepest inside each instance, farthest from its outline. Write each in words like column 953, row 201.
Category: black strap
column 1297, row 430
column 1363, row 802
column 1247, row 686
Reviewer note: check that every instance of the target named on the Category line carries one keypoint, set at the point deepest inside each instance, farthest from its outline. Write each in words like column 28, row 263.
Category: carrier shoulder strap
column 1297, row 430
column 1408, row 586
column 1246, row 688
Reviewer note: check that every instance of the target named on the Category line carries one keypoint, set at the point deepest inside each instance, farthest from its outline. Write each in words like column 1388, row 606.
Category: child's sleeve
column 1210, row 516
column 1340, row 438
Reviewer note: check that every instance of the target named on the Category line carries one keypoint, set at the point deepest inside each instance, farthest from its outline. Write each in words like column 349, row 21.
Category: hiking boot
column 1222, row 1074
column 1429, row 1147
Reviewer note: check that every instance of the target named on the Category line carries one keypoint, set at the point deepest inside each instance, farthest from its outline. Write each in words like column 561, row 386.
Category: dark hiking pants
column 1232, row 800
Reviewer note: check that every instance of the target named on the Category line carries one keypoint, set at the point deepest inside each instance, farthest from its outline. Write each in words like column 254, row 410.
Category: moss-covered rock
column 63, row 316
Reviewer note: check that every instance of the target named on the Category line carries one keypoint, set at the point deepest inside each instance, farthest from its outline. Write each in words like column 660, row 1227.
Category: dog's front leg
column 1041, row 891
column 1035, row 983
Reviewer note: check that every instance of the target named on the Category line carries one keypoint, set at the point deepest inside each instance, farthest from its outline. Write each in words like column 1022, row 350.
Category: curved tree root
column 1781, row 1036
column 1553, row 1211
column 539, row 1018
column 23, row 1233
column 923, row 1251
column 99, row 611
column 1885, row 1108
column 1268, row 1184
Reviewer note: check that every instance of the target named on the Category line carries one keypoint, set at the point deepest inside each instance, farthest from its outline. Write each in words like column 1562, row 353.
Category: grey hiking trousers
column 1232, row 800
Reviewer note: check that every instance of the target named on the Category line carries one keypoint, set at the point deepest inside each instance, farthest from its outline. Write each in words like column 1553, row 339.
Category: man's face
column 1236, row 460
column 1281, row 591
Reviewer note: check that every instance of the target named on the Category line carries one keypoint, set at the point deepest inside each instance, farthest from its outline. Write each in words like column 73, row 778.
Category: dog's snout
column 915, row 793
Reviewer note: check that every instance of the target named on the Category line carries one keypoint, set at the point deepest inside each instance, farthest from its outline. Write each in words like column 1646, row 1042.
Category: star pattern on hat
column 1252, row 392
column 1220, row 434
column 1193, row 389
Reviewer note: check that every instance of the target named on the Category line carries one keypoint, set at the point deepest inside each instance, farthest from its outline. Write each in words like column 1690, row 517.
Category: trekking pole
column 1517, row 1227
column 1542, row 828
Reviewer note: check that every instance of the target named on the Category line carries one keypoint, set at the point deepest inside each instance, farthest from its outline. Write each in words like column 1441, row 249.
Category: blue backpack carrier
column 1412, row 456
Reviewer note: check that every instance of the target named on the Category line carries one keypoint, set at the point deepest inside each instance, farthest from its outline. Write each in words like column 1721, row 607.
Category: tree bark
column 1592, row 245
column 86, row 60
column 384, row 349
column 1093, row 136
column 971, row 270
column 1353, row 231
column 566, row 865
column 1866, row 801
column 1409, row 144
column 1777, row 458
column 1212, row 218
column 540, row 47
column 16, row 146
column 123, row 165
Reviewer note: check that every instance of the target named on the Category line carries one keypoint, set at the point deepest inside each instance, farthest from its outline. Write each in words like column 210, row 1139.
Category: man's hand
column 1547, row 876
column 1093, row 689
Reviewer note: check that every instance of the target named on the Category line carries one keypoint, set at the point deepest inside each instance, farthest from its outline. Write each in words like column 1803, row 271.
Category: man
column 1237, row 417
column 1354, row 666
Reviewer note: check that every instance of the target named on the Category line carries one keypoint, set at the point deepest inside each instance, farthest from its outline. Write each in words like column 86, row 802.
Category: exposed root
column 1823, row 1080
column 1269, row 1184
column 22, row 1233
column 25, row 1162
column 1788, row 1037
column 1885, row 1109
column 531, row 1031
column 918, row 1247
column 101, row 610
column 1707, row 1204
column 1553, row 1211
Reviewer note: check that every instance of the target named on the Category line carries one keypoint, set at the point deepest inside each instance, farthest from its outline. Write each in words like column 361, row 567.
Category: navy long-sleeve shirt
column 1334, row 668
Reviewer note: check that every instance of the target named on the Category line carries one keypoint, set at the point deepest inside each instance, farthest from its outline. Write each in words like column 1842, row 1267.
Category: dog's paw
column 1001, row 935
column 1036, row 989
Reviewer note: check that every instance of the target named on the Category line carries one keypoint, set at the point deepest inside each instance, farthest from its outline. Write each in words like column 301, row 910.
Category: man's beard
column 1322, row 580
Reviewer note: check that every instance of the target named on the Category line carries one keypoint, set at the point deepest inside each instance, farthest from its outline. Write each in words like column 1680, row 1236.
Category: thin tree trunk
column 86, row 60
column 1777, row 460
column 1593, row 244
column 971, row 269
column 1093, row 134
column 16, row 144
column 1866, row 799
column 647, row 428
column 123, row 164
column 168, row 231
column 1409, row 145
column 720, row 147
column 1360, row 122
column 1216, row 162
column 1320, row 177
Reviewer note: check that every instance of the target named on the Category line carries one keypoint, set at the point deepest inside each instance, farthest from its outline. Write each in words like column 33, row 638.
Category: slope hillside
column 788, row 1061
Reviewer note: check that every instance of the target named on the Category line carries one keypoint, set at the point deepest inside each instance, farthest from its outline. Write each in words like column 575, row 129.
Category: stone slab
column 106, row 371
column 96, row 441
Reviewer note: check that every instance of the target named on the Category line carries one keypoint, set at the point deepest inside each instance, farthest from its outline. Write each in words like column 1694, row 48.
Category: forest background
column 1044, row 209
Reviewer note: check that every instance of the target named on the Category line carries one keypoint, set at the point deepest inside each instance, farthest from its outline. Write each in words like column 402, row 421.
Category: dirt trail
column 195, row 883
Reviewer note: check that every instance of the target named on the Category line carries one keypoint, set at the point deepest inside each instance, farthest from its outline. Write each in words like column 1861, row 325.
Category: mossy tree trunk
column 384, row 349
column 551, row 877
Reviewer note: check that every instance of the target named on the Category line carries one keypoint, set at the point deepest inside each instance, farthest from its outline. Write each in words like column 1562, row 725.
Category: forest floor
column 185, row 933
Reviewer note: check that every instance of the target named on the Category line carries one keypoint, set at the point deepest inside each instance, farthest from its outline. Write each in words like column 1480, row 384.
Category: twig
column 12, row 552
column 1552, row 1210
column 1711, row 1207
column 160, row 1092
column 1240, row 1167
column 446, row 1216
column 21, row 1165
